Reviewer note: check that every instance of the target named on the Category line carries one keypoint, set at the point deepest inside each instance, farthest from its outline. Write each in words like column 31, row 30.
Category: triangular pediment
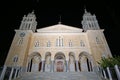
column 59, row 28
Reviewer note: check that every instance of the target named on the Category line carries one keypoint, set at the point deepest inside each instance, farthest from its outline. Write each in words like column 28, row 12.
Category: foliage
column 109, row 62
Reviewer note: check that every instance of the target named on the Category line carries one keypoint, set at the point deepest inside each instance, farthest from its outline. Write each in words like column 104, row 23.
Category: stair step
column 59, row 76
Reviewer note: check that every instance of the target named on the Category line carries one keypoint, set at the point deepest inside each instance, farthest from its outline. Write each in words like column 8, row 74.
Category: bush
column 109, row 62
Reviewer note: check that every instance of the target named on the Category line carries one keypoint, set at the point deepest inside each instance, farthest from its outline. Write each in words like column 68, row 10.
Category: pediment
column 59, row 28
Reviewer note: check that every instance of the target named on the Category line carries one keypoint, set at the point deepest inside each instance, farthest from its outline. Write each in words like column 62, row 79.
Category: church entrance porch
column 59, row 63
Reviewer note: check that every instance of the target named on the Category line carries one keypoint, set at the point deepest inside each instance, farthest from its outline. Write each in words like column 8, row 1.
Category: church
column 57, row 49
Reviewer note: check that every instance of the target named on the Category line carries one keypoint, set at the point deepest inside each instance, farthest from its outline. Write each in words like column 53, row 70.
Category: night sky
column 48, row 13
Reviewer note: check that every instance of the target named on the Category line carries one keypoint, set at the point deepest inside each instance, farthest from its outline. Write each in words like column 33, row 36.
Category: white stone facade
column 57, row 48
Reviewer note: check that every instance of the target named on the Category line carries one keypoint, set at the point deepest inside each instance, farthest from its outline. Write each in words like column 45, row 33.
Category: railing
column 9, row 73
column 110, row 73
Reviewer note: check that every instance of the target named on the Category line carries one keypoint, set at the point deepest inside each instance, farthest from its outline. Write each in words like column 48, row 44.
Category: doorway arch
column 60, row 62
column 85, row 62
column 34, row 64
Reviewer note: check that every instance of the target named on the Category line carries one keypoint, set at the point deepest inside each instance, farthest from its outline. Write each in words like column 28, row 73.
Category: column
column 117, row 72
column 62, row 42
column 59, row 42
column 3, row 73
column 28, row 68
column 90, row 65
column 19, row 72
column 42, row 68
column 98, row 68
column 52, row 66
column 77, row 67
column 10, row 77
column 67, row 67
column 16, row 70
column 104, row 74
column 109, row 74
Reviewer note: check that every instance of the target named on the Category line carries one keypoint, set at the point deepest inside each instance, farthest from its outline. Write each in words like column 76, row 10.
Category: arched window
column 98, row 40
column 103, row 56
column 70, row 43
column 37, row 44
column 20, row 41
column 82, row 44
column 59, row 42
column 48, row 44
column 15, row 58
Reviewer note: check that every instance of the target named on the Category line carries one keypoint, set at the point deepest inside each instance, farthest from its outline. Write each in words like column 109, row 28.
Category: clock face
column 22, row 34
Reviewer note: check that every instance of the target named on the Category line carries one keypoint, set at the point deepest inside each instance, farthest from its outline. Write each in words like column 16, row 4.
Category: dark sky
column 47, row 13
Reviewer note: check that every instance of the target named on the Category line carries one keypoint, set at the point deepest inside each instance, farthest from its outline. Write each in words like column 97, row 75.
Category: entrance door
column 60, row 66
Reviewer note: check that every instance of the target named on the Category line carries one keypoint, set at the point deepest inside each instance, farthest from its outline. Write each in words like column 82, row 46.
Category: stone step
column 59, row 76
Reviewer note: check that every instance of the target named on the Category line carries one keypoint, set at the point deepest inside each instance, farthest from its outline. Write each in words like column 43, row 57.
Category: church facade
column 56, row 48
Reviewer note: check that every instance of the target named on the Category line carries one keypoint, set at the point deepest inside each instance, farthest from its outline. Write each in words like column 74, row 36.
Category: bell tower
column 96, row 37
column 29, row 22
column 89, row 22
column 17, row 55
